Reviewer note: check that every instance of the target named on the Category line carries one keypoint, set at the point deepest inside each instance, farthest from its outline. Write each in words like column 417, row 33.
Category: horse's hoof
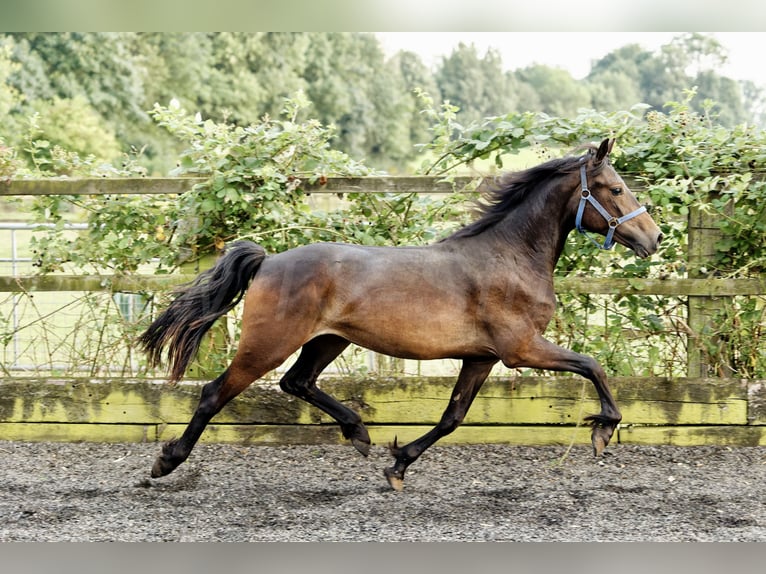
column 165, row 463
column 160, row 468
column 395, row 479
column 359, row 437
column 361, row 446
column 598, row 445
column 600, row 438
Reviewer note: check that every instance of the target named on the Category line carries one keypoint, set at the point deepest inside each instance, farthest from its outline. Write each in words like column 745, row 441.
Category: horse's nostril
column 659, row 238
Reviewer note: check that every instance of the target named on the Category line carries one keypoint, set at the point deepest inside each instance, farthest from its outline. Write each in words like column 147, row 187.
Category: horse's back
column 415, row 302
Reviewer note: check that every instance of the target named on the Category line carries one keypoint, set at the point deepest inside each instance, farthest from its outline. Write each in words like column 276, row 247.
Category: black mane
column 512, row 189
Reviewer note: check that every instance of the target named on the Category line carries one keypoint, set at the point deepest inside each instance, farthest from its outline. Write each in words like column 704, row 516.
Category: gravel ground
column 102, row 492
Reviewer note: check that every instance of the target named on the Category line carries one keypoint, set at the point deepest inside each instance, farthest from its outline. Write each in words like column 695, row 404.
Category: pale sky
column 575, row 51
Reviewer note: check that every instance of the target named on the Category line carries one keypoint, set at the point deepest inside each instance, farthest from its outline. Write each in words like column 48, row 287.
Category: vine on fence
column 254, row 189
column 685, row 157
column 688, row 162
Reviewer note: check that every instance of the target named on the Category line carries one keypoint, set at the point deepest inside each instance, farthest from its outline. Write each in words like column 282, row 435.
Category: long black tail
column 198, row 305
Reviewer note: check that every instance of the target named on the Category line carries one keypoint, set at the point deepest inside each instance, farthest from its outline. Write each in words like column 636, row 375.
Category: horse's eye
column 616, row 190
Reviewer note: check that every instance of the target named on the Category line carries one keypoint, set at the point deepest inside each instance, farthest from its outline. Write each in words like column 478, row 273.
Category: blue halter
column 587, row 197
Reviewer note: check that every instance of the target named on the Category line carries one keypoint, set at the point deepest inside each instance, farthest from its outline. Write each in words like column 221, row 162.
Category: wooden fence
column 523, row 410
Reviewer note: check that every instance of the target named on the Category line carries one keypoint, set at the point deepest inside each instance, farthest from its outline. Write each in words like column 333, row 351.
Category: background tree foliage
column 108, row 82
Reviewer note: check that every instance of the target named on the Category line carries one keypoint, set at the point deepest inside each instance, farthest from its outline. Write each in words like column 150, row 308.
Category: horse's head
column 607, row 206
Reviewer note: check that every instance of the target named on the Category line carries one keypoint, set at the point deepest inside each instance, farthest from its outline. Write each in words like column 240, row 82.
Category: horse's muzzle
column 645, row 249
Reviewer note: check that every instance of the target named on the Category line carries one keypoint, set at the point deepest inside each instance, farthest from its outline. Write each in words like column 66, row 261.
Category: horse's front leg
column 542, row 354
column 472, row 376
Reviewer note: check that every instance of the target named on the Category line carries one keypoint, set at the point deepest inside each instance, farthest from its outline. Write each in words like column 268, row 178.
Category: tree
column 176, row 66
column 9, row 99
column 691, row 60
column 338, row 85
column 477, row 85
column 664, row 77
column 727, row 95
column 416, row 76
column 614, row 90
column 9, row 96
column 631, row 74
column 615, row 79
column 353, row 87
column 92, row 138
column 99, row 67
column 628, row 60
column 111, row 79
column 755, row 102
column 557, row 92
column 233, row 91
column 693, row 53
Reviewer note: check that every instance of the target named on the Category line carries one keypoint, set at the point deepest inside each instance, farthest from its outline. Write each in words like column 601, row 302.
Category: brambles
column 253, row 189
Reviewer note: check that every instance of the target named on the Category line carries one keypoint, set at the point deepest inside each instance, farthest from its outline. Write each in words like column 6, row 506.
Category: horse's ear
column 604, row 149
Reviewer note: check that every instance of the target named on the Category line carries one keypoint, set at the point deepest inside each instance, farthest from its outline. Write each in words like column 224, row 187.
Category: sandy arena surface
column 102, row 492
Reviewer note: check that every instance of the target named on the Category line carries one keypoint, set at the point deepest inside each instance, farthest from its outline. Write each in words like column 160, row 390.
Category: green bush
column 52, row 127
column 253, row 189
column 686, row 161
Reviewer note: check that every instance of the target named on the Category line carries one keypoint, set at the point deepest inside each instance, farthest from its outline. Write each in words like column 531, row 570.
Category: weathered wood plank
column 703, row 234
column 578, row 285
column 681, row 401
column 381, row 435
column 77, row 432
column 107, row 283
column 694, row 435
column 539, row 435
column 392, row 184
column 177, row 185
column 756, row 401
column 98, row 186
column 117, row 401
column 666, row 287
column 405, row 400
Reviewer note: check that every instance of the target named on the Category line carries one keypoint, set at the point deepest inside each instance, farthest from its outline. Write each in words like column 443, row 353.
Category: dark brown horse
column 483, row 295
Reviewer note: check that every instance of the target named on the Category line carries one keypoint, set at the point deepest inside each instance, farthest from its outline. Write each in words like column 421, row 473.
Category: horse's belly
column 422, row 338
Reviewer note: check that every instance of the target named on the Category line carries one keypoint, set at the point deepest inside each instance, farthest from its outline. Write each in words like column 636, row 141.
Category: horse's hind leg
column 300, row 380
column 240, row 374
column 472, row 376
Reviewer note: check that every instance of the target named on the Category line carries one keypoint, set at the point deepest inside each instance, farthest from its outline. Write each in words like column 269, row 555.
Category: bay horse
column 481, row 295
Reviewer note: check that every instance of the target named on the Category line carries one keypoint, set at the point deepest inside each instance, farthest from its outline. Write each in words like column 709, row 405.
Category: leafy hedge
column 687, row 161
column 685, row 158
column 253, row 189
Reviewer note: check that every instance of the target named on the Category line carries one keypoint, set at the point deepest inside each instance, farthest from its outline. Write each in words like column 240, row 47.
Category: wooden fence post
column 703, row 235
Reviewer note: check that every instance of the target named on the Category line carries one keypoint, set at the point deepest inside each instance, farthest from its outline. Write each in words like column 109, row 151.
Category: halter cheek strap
column 587, row 197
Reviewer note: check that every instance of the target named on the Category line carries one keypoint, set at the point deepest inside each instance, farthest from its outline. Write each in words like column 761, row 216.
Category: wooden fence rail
column 520, row 410
column 176, row 185
column 528, row 410
column 577, row 285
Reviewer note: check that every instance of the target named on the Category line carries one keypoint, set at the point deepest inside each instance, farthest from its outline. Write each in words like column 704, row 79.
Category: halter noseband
column 587, row 197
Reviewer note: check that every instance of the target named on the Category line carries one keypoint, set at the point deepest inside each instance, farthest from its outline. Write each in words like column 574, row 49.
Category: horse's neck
column 537, row 231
